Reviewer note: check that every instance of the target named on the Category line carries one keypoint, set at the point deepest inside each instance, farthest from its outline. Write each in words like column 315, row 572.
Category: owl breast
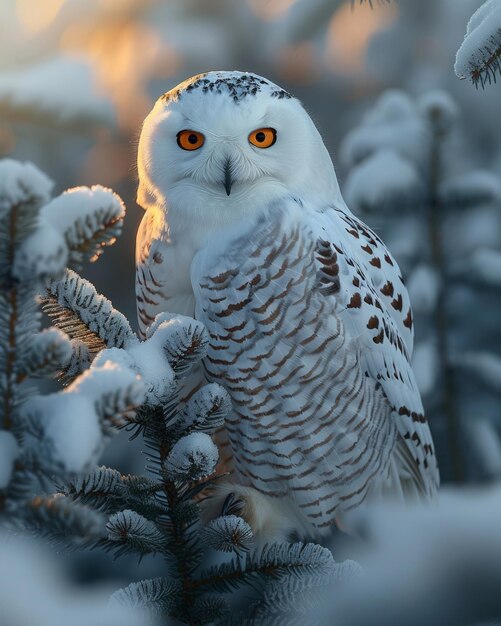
column 308, row 423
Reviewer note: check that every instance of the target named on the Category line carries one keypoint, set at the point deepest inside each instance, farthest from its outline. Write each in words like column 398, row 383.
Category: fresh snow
column 394, row 122
column 148, row 360
column 72, row 419
column 20, row 182
column 81, row 204
column 482, row 39
column 71, row 425
column 383, row 179
column 477, row 186
column 43, row 253
column 194, row 455
column 423, row 286
column 62, row 88
column 440, row 107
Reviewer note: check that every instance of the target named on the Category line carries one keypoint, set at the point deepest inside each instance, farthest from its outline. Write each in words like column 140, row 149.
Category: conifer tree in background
column 113, row 380
column 409, row 172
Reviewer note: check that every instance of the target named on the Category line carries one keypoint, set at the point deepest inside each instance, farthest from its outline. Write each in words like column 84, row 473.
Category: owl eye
column 190, row 139
column 263, row 137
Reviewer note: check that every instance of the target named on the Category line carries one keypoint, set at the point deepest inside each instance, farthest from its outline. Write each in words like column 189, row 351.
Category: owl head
column 223, row 144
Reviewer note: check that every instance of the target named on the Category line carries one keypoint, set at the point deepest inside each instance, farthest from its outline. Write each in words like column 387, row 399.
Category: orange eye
column 190, row 140
column 263, row 137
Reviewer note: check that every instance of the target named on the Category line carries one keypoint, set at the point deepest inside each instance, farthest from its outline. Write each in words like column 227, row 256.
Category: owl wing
column 377, row 310
column 311, row 417
column 151, row 287
column 155, row 286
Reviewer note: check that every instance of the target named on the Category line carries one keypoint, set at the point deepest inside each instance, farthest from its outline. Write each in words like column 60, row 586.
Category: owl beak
column 228, row 181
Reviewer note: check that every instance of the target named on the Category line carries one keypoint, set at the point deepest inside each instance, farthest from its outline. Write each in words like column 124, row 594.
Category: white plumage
column 309, row 321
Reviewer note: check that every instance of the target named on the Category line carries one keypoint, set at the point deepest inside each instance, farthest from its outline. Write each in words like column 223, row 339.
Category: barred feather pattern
column 309, row 422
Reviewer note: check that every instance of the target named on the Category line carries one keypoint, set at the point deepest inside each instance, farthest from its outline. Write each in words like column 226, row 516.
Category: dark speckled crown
column 236, row 85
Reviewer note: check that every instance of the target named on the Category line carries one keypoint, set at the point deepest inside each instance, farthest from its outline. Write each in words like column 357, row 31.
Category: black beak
column 228, row 182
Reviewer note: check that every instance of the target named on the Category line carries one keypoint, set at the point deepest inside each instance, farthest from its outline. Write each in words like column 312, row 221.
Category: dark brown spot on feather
column 397, row 303
column 376, row 261
column 355, row 302
column 220, row 278
column 408, row 320
column 379, row 338
column 387, row 289
column 373, row 322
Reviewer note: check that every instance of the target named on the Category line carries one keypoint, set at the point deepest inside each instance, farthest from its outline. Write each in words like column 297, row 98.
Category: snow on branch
column 370, row 2
column 72, row 228
column 74, row 306
column 478, row 187
column 392, row 123
column 89, row 219
column 157, row 597
column 58, row 92
column 73, row 421
column 48, row 353
column 383, row 179
column 479, row 57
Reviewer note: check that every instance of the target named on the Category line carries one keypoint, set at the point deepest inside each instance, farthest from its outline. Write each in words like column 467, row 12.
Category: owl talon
column 233, row 505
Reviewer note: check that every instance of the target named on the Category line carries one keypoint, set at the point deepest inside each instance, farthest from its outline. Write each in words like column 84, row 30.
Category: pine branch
column 89, row 220
column 370, row 2
column 157, row 597
column 79, row 361
column 107, row 491
column 479, row 57
column 48, row 353
column 74, row 306
column 130, row 532
column 185, row 340
column 275, row 562
column 206, row 409
column 228, row 533
column 58, row 518
column 23, row 189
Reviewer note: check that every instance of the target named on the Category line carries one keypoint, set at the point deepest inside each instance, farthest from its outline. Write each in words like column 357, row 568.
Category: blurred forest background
column 77, row 77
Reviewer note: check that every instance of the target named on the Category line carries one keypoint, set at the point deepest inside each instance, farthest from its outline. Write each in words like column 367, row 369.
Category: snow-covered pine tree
column 160, row 512
column 479, row 57
column 409, row 172
column 113, row 381
column 39, row 237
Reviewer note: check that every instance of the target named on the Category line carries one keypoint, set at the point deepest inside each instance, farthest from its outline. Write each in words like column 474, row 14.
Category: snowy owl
column 310, row 324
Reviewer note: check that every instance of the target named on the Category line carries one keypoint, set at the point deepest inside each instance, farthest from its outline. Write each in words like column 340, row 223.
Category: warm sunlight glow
column 298, row 64
column 350, row 32
column 270, row 9
column 35, row 16
column 125, row 54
